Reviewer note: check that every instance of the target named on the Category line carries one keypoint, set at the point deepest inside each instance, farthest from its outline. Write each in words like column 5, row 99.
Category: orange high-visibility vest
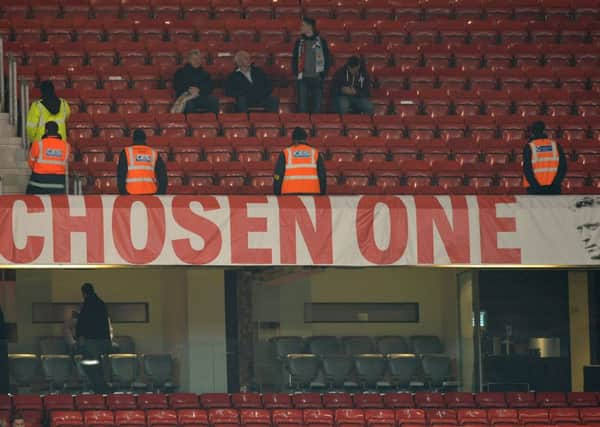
column 544, row 161
column 141, row 161
column 301, row 170
column 49, row 156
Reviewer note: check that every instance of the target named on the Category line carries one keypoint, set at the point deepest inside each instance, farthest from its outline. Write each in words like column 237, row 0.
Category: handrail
column 2, row 99
column 24, row 108
column 1, row 186
column 12, row 90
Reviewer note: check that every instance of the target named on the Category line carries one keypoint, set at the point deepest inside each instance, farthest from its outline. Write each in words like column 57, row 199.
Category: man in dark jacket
column 250, row 86
column 160, row 170
column 192, row 79
column 350, row 88
column 544, row 162
column 310, row 65
column 4, row 383
column 93, row 333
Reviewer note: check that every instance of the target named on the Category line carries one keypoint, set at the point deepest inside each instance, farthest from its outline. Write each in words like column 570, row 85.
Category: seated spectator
column 350, row 88
column 50, row 108
column 250, row 86
column 193, row 86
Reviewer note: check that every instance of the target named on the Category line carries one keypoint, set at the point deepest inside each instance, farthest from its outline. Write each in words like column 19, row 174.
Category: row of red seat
column 334, row 30
column 381, row 9
column 325, row 417
column 266, row 125
column 423, row 400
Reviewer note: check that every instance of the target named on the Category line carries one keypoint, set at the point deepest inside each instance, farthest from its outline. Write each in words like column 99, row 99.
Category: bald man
column 250, row 86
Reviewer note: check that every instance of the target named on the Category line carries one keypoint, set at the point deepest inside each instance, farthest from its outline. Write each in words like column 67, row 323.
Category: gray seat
column 404, row 371
column 370, row 369
column 324, row 345
column 338, row 371
column 358, row 345
column 158, row 369
column 436, row 368
column 392, row 345
column 303, row 370
column 53, row 345
column 124, row 344
column 82, row 375
column 58, row 370
column 24, row 369
column 426, row 344
column 124, row 371
column 283, row 346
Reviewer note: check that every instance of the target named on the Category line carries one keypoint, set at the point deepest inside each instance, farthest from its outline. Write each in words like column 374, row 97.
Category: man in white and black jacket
column 350, row 88
column 310, row 65
column 250, row 86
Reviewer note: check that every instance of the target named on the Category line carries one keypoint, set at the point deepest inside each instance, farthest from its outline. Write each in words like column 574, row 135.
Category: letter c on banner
column 34, row 244
column 121, row 225
column 365, row 229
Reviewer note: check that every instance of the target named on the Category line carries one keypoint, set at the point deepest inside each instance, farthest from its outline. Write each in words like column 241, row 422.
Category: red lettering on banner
column 241, row 226
column 489, row 227
column 121, row 221
column 33, row 245
column 318, row 237
column 92, row 224
column 455, row 237
column 365, row 229
column 202, row 227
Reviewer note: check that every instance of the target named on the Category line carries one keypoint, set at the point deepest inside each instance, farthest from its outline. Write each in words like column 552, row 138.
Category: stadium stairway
column 14, row 169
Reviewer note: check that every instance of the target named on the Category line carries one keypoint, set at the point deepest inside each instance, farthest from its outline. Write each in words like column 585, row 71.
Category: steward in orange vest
column 300, row 168
column 48, row 159
column 141, row 170
column 544, row 163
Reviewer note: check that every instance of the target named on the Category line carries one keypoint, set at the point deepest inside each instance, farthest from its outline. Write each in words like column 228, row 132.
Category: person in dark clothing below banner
column 4, row 383
column 350, row 88
column 192, row 79
column 310, row 65
column 48, row 158
column 250, row 86
column 93, row 334
column 141, row 170
column 544, row 162
column 300, row 168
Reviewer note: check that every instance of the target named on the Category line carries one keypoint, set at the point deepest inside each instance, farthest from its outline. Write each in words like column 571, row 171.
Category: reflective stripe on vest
column 301, row 170
column 141, row 162
column 544, row 161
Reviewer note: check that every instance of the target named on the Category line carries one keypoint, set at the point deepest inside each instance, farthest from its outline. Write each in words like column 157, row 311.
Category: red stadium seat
column 246, row 400
column 136, row 9
column 39, row 54
column 418, row 175
column 172, row 125
column 459, row 400
column 472, row 417
column 266, row 125
column 379, row 10
column 526, row 102
column 542, row 78
column 490, row 400
column 69, row 55
column 480, row 177
column 590, row 415
column 403, row 149
column 387, row 175
column 129, row 418
column 118, row 402
column 582, row 399
column 429, row 400
column 319, row 417
column 435, row 101
column 452, row 79
column 443, row 417
column 128, row 101
column 434, row 150
column 292, row 120
column 391, row 33
column 389, row 127
column 326, row 125
column 257, row 9
column 551, row 399
column 277, row 401
column 147, row 401
column 149, row 30
column 373, row 149
column 157, row 100
column 420, row 127
column 337, row 400
column 260, row 177
column 484, row 79
column 564, row 415
column 66, row 419
column 195, row 10
column 391, row 78
column 530, row 416
column 62, row 402
column 406, row 103
column 27, row 31
column 437, row 56
column 349, row 417
column 481, row 127
column 368, row 400
column 287, row 418
column 380, row 417
column 424, row 79
column 235, row 125
column 98, row 418
column 398, row 400
column 307, row 400
column 199, row 174
column 466, row 103
column 503, row 416
column 203, row 125
column 27, row 402
column 165, row 11
column 465, row 150
column 161, row 417
column 255, row 417
column 86, row 402
column 80, row 126
column 224, row 417
column 185, row 150
column 410, row 417
column 521, row 400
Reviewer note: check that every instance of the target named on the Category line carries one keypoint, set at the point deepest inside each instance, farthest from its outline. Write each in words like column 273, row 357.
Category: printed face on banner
column 588, row 225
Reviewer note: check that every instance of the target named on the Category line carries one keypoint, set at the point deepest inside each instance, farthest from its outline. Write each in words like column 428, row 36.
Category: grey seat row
column 57, row 345
column 327, row 345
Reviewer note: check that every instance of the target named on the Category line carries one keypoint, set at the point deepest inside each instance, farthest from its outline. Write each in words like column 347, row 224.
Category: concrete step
column 10, row 156
column 13, row 141
column 5, row 128
column 14, row 184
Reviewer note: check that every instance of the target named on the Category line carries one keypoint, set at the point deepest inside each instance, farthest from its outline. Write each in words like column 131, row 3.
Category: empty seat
column 158, row 369
column 130, row 418
column 349, row 418
column 370, row 370
column 318, row 417
column 337, row 370
column 53, row 345
column 124, row 371
column 357, row 345
column 410, row 417
column 472, row 417
column 437, row 369
column 530, row 416
column 255, row 417
column 551, row 399
column 24, row 369
column 490, row 400
column 392, row 344
column 581, row 399
column 323, row 345
column 303, row 370
column 66, row 419
column 147, row 401
column 215, row 400
column 99, row 418
column 404, row 372
column 521, row 400
column 502, row 416
column 368, row 400
column 277, row 401
column 287, row 417
column 90, row 402
column 161, row 418
column 58, row 370
column 398, row 400
column 223, row 417
column 564, row 415
column 459, row 400
column 53, row 402
column 192, row 417
column 338, row 400
column 429, row 400
column 426, row 344
column 441, row 417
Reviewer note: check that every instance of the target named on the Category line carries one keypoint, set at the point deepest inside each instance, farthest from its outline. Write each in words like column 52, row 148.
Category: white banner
column 321, row 230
